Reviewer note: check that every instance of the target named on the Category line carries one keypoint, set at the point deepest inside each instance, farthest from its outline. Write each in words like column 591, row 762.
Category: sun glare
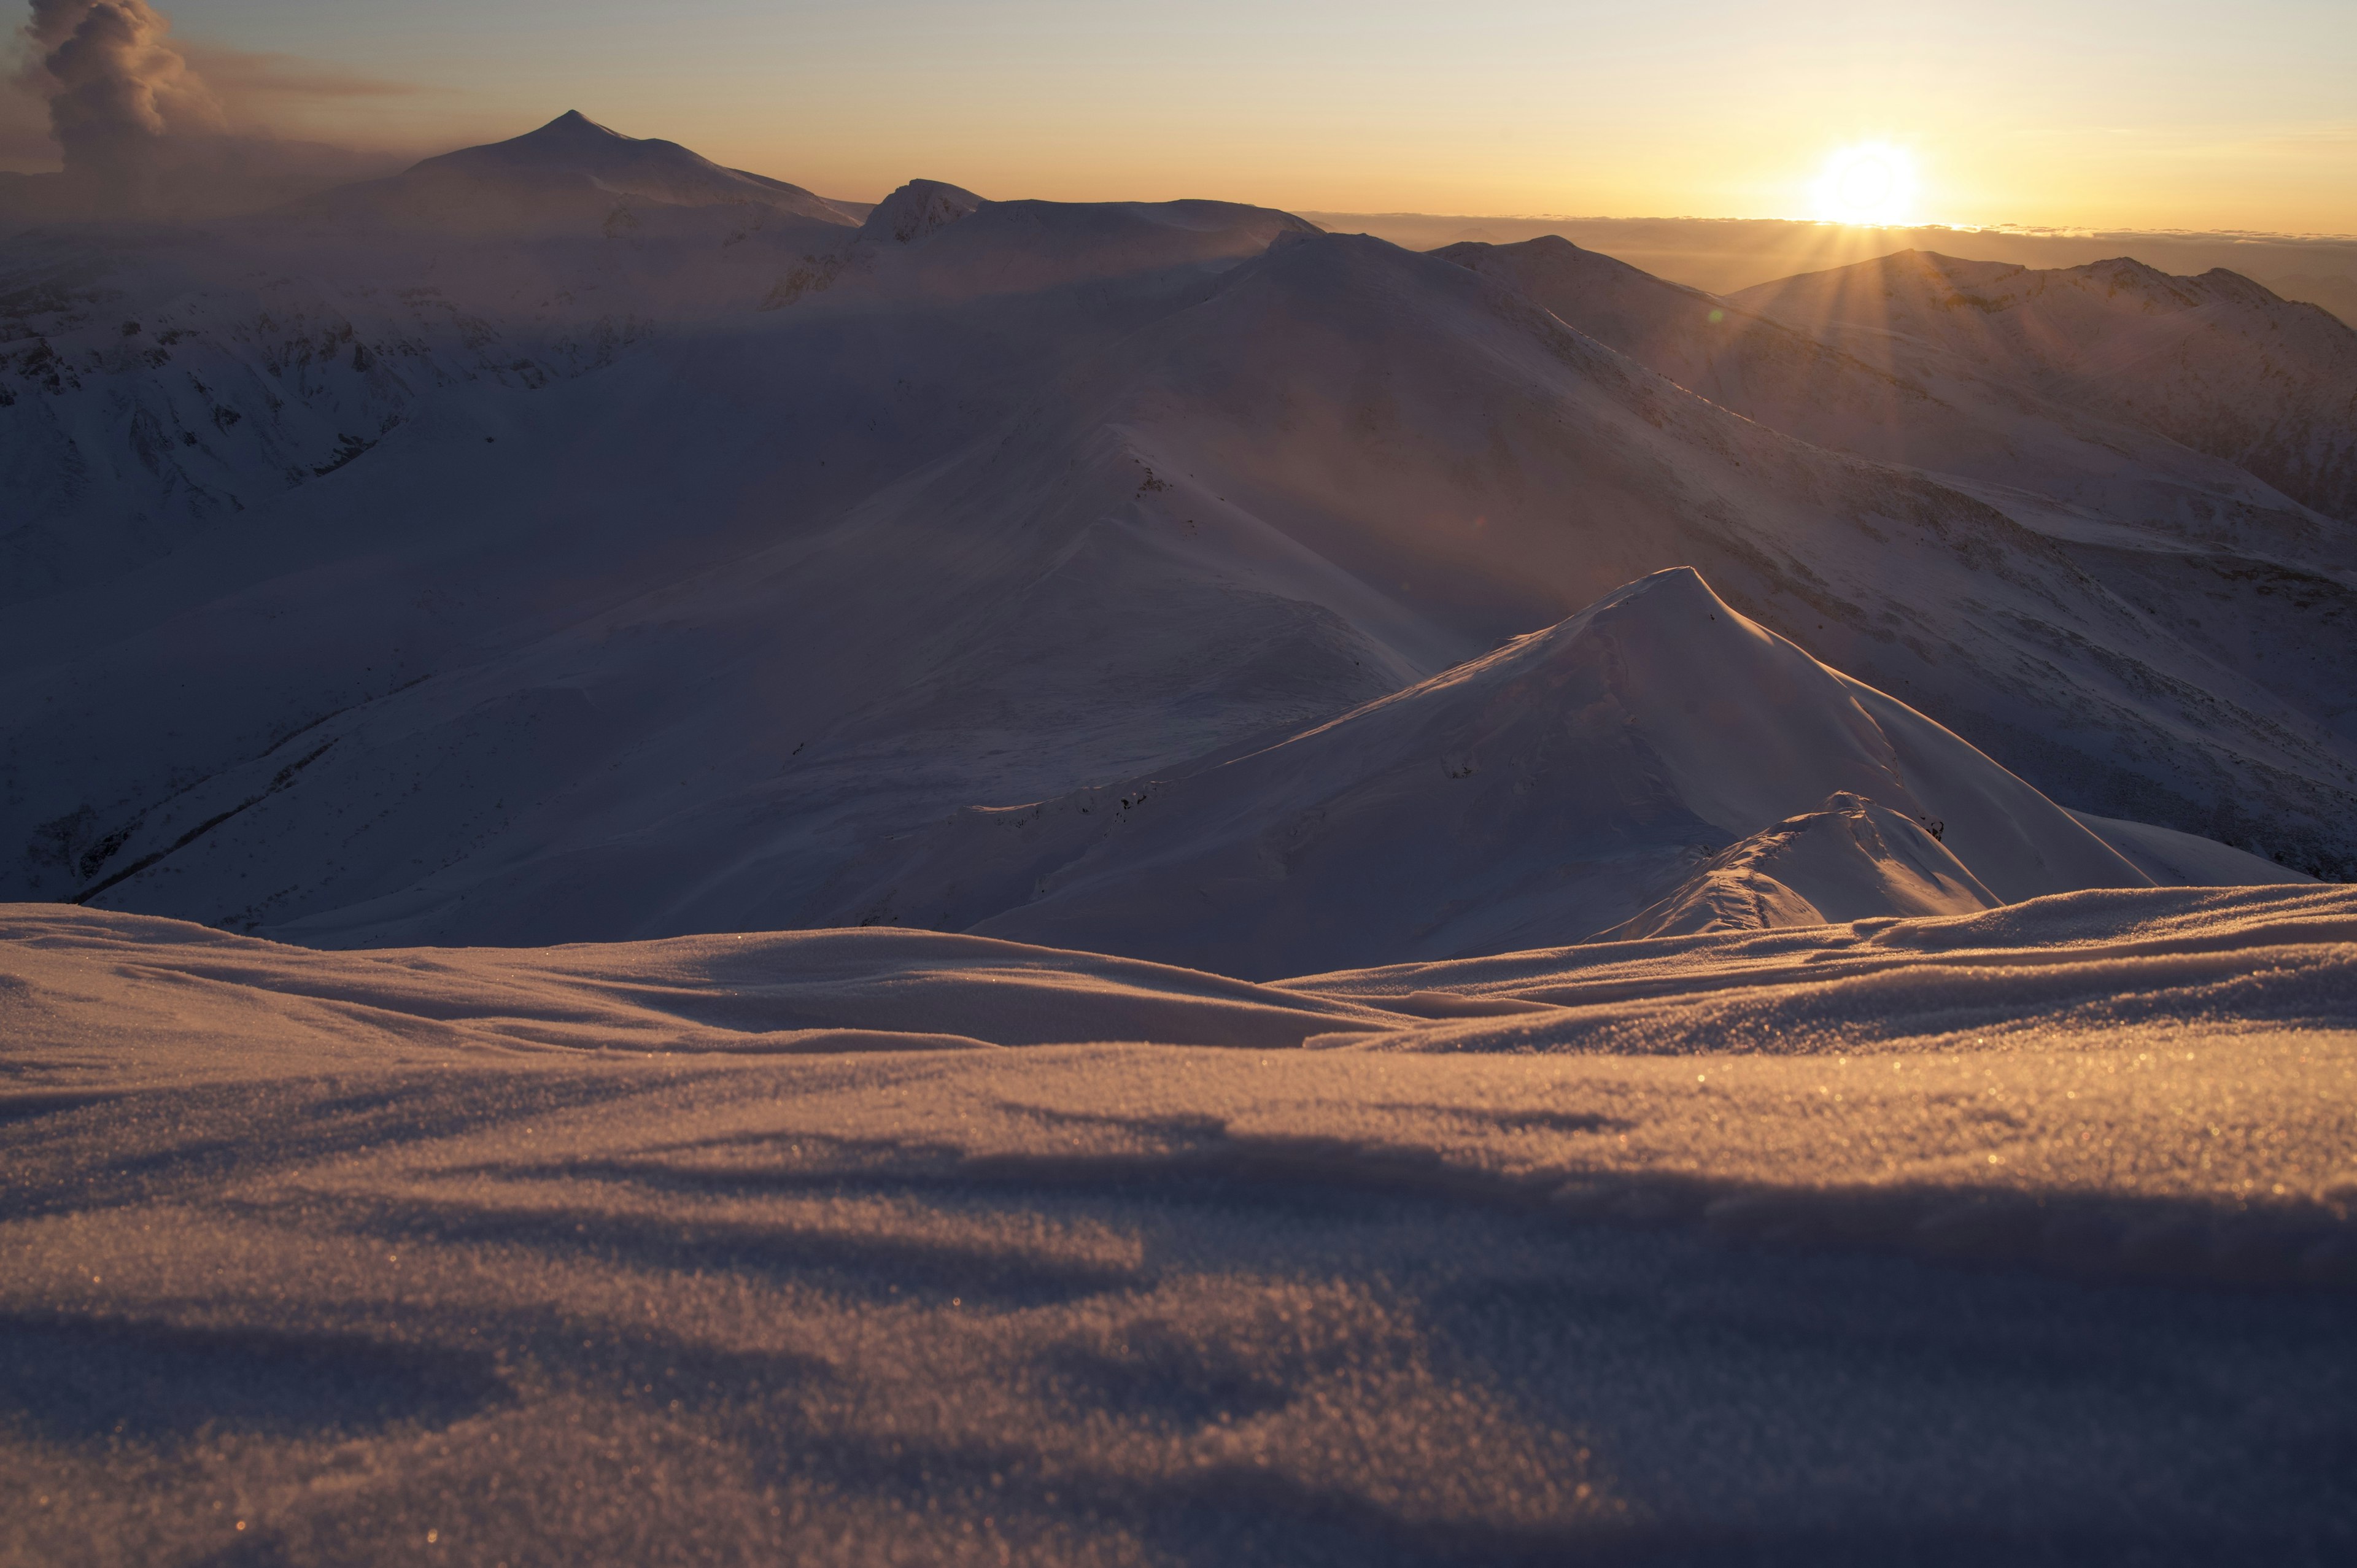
column 1871, row 183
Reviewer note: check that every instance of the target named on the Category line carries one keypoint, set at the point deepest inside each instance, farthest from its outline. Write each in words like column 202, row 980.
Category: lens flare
column 1871, row 183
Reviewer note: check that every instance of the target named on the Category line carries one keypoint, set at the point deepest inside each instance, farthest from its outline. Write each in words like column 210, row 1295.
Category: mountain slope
column 1929, row 409
column 2216, row 361
column 2252, row 579
column 799, row 572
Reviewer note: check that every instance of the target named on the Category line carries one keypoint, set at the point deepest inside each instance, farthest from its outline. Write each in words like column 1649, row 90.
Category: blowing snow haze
column 698, row 869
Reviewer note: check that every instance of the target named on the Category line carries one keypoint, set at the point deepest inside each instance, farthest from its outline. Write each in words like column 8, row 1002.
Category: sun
column 1873, row 182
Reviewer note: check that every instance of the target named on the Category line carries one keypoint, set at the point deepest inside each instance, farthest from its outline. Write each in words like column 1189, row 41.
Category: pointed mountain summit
column 568, row 171
column 916, row 209
column 647, row 167
column 1535, row 797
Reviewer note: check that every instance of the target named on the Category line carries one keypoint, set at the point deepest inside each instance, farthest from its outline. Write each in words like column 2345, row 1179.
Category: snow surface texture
column 684, row 557
column 1899, row 1241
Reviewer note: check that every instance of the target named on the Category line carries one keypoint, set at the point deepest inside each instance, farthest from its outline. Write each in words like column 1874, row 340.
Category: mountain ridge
column 1537, row 796
column 2219, row 363
column 1041, row 495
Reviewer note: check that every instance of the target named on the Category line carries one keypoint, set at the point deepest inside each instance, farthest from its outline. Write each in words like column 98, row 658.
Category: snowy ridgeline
column 571, row 538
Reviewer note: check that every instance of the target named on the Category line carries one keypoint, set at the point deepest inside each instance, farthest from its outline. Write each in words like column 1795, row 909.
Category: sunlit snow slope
column 1531, row 798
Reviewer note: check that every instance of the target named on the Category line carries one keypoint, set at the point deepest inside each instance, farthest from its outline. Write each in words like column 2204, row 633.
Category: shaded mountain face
column 854, row 529
column 158, row 381
column 2216, row 362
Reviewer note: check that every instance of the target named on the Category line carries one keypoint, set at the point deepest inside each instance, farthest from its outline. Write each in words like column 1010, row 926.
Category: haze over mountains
column 1725, row 255
column 574, row 539
column 2215, row 362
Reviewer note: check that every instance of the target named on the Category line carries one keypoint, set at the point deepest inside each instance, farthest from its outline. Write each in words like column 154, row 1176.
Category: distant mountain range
column 1727, row 254
column 574, row 539
column 2215, row 362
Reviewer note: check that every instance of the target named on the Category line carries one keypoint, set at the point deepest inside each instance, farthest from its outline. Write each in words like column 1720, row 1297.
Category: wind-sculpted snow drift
column 866, row 1246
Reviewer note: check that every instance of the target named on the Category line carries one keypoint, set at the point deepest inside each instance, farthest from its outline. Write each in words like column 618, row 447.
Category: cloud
column 244, row 82
column 117, row 86
column 148, row 126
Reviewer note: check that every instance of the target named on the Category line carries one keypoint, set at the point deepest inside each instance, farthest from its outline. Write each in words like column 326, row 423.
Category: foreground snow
column 1898, row 1240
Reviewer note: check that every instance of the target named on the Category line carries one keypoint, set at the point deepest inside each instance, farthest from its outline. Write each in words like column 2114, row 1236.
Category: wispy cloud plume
column 117, row 86
column 148, row 126
column 247, row 83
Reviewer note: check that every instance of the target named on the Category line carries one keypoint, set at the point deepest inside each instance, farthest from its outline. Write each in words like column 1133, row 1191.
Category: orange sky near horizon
column 2066, row 114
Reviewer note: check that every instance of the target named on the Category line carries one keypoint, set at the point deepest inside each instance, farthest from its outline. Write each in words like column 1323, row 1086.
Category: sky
column 2068, row 114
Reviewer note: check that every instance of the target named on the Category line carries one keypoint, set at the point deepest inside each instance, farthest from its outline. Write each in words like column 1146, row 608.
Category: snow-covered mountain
column 2258, row 581
column 2216, row 362
column 969, row 503
column 157, row 381
column 569, row 169
column 1532, row 798
column 2053, row 463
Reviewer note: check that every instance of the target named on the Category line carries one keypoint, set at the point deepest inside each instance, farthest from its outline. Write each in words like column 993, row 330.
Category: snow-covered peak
column 570, row 169
column 1542, row 793
column 1850, row 859
column 572, row 126
column 1912, row 402
column 647, row 167
column 916, row 209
